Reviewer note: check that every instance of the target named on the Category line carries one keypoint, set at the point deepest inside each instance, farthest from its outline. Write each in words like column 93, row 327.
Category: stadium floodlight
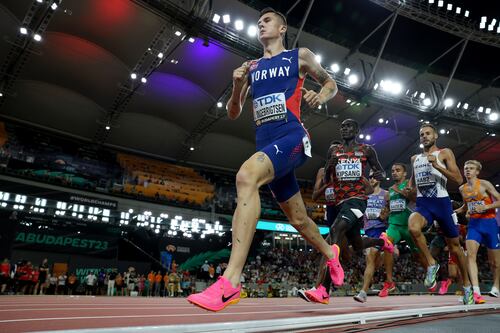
column 493, row 116
column 440, row 3
column 239, row 25
column 427, row 101
column 421, row 146
column 380, row 120
column 318, row 58
column 108, row 127
column 160, row 55
column 347, row 70
column 480, row 109
column 442, row 131
column 375, row 87
column 191, row 39
column 54, row 6
column 178, row 33
column 348, row 101
column 219, row 104
column 361, row 136
column 23, row 31
column 466, row 13
column 191, row 148
column 226, row 18
column 459, row 104
column 335, row 67
column 448, row 102
column 458, row 10
column 133, row 76
column 368, row 137
column 449, row 7
column 252, row 31
column 482, row 25
column 487, row 110
column 353, row 79
column 422, row 95
column 144, row 80
column 490, row 28
column 216, row 18
column 431, row 1
column 483, row 19
column 465, row 106
column 37, row 37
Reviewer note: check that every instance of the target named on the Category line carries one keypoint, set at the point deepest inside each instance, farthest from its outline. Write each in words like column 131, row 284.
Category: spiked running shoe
column 302, row 294
column 336, row 270
column 388, row 246
column 388, row 287
column 468, row 298
column 361, row 297
column 444, row 287
column 430, row 277
column 319, row 295
column 217, row 296
column 478, row 299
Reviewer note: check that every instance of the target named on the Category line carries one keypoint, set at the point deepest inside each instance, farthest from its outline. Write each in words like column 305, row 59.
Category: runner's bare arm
column 309, row 65
column 319, row 185
column 240, row 91
column 451, row 172
column 491, row 190
column 378, row 171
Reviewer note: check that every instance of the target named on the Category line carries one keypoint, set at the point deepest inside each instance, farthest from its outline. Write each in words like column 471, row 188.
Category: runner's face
column 428, row 137
column 348, row 130
column 398, row 173
column 373, row 181
column 270, row 27
column 470, row 171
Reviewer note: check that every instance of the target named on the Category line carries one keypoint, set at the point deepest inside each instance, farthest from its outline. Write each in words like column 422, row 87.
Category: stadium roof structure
column 151, row 75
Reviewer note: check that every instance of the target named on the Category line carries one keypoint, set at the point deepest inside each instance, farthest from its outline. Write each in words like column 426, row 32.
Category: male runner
column 282, row 146
column 398, row 201
column 477, row 194
column 375, row 224
column 431, row 171
column 345, row 168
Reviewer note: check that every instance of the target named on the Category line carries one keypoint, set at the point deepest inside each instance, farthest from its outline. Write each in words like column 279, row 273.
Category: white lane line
column 166, row 315
column 147, row 308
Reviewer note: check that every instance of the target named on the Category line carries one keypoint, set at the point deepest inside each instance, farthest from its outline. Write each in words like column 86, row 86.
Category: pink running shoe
column 388, row 287
column 388, row 246
column 217, row 296
column 318, row 295
column 478, row 299
column 336, row 270
column 444, row 286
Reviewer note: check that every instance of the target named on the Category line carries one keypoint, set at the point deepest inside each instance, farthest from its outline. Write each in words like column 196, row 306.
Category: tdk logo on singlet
column 269, row 99
column 264, row 74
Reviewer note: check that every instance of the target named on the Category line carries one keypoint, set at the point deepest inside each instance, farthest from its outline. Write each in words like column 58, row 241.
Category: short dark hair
column 401, row 165
column 428, row 125
column 272, row 10
column 352, row 121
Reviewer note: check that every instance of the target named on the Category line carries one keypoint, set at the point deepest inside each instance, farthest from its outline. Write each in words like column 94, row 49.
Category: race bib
column 471, row 206
column 329, row 194
column 267, row 108
column 424, row 176
column 372, row 213
column 348, row 169
column 307, row 146
column 397, row 205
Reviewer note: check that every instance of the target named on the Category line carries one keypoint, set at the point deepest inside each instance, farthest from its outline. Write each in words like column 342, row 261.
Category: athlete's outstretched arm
column 319, row 185
column 309, row 65
column 490, row 189
column 240, row 91
column 378, row 171
column 451, row 172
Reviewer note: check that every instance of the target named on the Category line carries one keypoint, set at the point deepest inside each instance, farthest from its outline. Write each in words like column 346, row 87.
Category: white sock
column 476, row 289
column 494, row 289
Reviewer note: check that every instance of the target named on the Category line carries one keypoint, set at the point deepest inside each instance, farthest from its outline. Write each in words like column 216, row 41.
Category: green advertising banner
column 65, row 242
